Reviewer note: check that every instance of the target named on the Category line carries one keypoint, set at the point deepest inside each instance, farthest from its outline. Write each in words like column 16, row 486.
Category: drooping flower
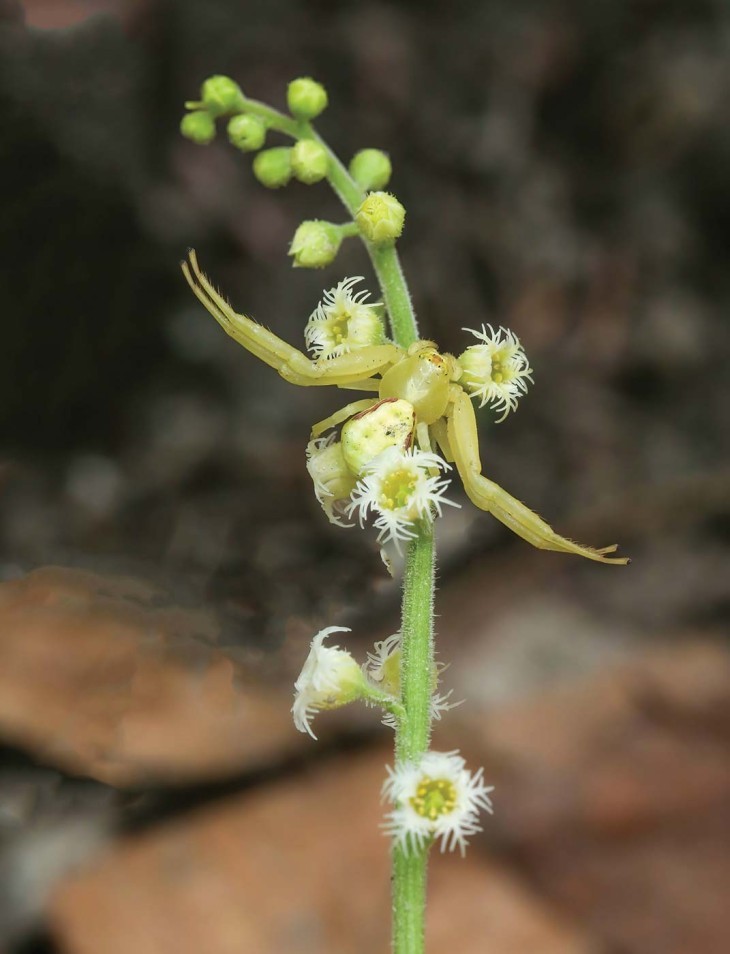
column 343, row 321
column 496, row 371
column 333, row 482
column 383, row 665
column 399, row 488
column 435, row 798
column 383, row 669
column 330, row 678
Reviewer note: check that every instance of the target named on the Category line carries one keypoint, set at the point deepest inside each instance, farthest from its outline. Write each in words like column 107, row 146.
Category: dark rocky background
column 163, row 561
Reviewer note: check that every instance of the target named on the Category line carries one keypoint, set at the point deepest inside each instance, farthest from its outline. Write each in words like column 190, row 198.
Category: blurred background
column 163, row 561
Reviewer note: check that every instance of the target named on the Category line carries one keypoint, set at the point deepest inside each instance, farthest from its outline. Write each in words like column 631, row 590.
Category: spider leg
column 291, row 364
column 343, row 414
column 440, row 437
column 485, row 494
column 367, row 384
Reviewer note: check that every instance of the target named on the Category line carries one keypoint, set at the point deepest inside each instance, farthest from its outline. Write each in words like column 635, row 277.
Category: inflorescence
column 388, row 456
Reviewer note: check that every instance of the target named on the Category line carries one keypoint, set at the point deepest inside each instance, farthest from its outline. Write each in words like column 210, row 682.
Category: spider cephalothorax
column 420, row 404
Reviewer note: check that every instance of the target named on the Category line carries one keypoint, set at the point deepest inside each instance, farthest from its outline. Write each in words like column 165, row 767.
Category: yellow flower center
column 397, row 489
column 338, row 327
column 499, row 369
column 434, row 797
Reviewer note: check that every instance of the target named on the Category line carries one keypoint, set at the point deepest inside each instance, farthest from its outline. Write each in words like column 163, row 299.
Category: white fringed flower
column 383, row 670
column 343, row 321
column 399, row 488
column 436, row 798
column 330, row 475
column 330, row 678
column 497, row 371
column 441, row 702
column 383, row 665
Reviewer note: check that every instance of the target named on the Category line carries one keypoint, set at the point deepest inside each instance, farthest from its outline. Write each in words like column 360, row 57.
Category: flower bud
column 306, row 98
column 380, row 218
column 272, row 167
column 315, row 244
column 389, row 424
column 222, row 96
column 371, row 169
column 246, row 133
column 309, row 161
column 198, row 126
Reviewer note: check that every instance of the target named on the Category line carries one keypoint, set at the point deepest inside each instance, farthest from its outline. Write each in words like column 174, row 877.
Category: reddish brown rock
column 614, row 793
column 477, row 905
column 97, row 681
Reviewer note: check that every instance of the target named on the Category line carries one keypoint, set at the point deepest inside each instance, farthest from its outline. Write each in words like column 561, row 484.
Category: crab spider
column 422, row 376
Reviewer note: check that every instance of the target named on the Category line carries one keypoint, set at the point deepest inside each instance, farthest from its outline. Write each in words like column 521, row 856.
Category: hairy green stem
column 414, row 730
column 417, row 652
column 417, row 649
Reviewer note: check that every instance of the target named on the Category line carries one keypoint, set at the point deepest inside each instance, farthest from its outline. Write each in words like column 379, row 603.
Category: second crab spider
column 434, row 387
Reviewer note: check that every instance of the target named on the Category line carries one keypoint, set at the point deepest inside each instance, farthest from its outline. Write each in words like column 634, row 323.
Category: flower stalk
column 384, row 458
column 413, row 728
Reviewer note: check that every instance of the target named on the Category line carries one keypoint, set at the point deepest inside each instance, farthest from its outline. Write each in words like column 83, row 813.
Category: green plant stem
column 417, row 648
column 414, row 730
column 414, row 727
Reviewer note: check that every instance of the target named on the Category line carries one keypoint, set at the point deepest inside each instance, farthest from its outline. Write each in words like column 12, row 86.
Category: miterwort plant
column 388, row 457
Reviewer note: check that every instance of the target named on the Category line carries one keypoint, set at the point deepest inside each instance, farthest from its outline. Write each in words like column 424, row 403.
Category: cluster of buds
column 380, row 216
column 434, row 798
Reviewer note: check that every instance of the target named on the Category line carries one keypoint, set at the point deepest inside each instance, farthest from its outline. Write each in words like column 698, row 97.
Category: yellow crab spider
column 420, row 375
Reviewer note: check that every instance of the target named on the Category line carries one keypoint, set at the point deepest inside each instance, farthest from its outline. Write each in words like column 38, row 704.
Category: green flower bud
column 220, row 95
column 272, row 167
column 198, row 127
column 309, row 161
column 380, row 218
column 246, row 133
column 306, row 98
column 371, row 169
column 315, row 244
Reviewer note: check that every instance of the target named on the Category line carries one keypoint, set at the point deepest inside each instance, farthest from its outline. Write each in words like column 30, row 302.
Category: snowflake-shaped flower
column 496, row 371
column 343, row 321
column 435, row 798
column 399, row 488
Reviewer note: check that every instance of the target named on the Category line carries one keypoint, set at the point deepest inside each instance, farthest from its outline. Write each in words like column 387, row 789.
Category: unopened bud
column 272, row 167
column 315, row 244
column 371, row 169
column 221, row 96
column 309, row 161
column 198, row 126
column 306, row 98
column 246, row 133
column 380, row 218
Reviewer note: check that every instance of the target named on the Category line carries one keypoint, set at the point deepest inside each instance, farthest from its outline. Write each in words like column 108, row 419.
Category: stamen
column 434, row 797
